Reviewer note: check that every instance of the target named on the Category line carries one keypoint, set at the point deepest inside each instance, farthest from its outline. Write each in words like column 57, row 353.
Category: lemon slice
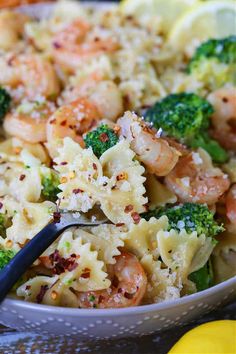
column 167, row 10
column 212, row 19
column 209, row 338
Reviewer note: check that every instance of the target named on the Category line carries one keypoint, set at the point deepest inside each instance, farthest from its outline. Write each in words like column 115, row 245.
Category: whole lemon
column 217, row 337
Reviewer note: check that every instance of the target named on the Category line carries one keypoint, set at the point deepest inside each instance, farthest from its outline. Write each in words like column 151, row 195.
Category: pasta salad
column 101, row 115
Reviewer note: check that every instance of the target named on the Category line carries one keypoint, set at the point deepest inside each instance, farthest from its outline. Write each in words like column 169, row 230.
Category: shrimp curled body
column 224, row 118
column 128, row 286
column 71, row 120
column 73, row 44
column 29, row 125
column 32, row 73
column 155, row 153
column 194, row 179
column 231, row 205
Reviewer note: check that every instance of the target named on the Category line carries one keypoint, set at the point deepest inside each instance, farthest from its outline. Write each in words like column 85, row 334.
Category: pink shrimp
column 231, row 204
column 71, row 45
column 224, row 118
column 155, row 153
column 129, row 284
column 195, row 179
column 71, row 120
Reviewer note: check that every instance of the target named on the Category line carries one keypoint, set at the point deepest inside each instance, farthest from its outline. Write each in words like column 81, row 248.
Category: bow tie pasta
column 115, row 181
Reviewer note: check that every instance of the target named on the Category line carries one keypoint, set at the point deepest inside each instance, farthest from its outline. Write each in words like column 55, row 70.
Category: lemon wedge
column 167, row 10
column 209, row 338
column 212, row 19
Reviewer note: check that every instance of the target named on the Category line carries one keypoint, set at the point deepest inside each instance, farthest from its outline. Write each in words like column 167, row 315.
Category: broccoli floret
column 101, row 139
column 5, row 257
column 214, row 62
column 188, row 216
column 185, row 116
column 203, row 278
column 50, row 188
column 5, row 101
column 4, row 223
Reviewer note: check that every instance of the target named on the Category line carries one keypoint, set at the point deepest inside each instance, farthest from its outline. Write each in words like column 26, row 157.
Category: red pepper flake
column 56, row 45
column 40, row 296
column 116, row 129
column 104, row 137
column 122, row 176
column 1, row 205
column 86, row 273
column 100, row 298
column 120, row 224
column 135, row 216
column 61, row 264
column 77, row 191
column 63, row 163
column 56, row 216
column 71, row 266
column 115, row 281
column 63, row 123
column 128, row 295
column 52, row 121
column 128, row 208
column 22, row 177
column 95, row 166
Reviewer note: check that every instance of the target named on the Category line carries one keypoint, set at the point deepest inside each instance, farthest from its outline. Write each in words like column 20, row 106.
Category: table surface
column 13, row 342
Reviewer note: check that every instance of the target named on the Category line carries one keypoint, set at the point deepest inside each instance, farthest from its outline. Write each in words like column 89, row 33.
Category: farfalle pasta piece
column 141, row 239
column 114, row 181
column 82, row 272
column 158, row 194
column 45, row 289
column 16, row 150
column 224, row 255
column 184, row 253
column 28, row 219
column 162, row 284
column 105, row 239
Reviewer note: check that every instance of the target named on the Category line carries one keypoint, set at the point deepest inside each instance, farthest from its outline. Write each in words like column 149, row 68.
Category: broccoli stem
column 203, row 278
column 217, row 153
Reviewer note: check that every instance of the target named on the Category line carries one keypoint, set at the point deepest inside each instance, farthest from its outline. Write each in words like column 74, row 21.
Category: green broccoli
column 185, row 116
column 4, row 223
column 188, row 216
column 50, row 182
column 5, row 257
column 5, row 101
column 101, row 139
column 214, row 62
column 203, row 278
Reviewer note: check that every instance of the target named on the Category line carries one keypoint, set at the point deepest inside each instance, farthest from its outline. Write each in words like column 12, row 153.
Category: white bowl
column 114, row 323
column 110, row 323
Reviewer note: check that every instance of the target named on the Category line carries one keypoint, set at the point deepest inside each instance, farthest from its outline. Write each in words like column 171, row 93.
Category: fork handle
column 12, row 272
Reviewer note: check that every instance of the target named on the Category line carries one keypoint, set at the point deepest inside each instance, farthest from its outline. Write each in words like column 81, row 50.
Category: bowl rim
column 74, row 312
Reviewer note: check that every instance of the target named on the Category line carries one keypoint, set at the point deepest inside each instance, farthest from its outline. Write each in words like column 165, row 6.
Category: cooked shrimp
column 71, row 120
column 32, row 73
column 28, row 121
column 103, row 93
column 231, row 204
column 75, row 43
column 224, row 118
column 155, row 153
column 195, row 179
column 11, row 29
column 128, row 287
